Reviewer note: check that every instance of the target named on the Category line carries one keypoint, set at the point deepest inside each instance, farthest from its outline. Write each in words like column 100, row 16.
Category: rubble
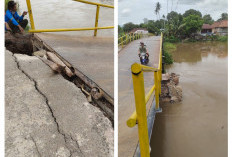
column 171, row 91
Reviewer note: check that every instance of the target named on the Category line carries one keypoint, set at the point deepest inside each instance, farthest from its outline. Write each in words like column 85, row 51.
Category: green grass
column 168, row 58
column 223, row 38
column 169, row 47
column 171, row 39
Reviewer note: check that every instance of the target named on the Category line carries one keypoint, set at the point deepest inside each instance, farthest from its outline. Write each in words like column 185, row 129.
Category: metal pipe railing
column 139, row 116
column 93, row 3
column 127, row 38
column 33, row 30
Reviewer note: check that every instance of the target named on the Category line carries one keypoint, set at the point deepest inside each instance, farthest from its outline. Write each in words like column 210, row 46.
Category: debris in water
column 170, row 90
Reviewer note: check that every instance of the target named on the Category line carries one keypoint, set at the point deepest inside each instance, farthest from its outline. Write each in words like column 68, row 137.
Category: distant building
column 139, row 30
column 206, row 28
column 220, row 28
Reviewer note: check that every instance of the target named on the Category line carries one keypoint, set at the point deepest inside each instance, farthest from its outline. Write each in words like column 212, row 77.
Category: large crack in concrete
column 71, row 144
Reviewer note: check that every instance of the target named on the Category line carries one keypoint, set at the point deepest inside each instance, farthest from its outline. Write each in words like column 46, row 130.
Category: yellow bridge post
column 126, row 39
column 157, row 87
column 96, row 20
column 30, row 14
column 138, row 84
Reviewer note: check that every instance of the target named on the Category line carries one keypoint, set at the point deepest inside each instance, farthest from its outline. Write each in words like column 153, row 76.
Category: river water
column 70, row 14
column 196, row 127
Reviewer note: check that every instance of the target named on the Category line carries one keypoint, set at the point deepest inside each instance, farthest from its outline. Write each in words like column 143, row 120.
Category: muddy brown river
column 196, row 127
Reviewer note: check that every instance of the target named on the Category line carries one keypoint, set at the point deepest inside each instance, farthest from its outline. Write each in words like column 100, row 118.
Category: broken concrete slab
column 79, row 128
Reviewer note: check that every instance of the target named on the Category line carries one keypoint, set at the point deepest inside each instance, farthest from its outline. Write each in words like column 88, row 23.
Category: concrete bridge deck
column 93, row 56
column 128, row 137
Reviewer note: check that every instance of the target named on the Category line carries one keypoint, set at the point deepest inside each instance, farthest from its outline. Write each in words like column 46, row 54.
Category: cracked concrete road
column 46, row 115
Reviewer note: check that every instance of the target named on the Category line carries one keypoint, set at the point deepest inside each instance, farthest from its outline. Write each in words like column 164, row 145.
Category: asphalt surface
column 46, row 115
column 128, row 137
column 93, row 56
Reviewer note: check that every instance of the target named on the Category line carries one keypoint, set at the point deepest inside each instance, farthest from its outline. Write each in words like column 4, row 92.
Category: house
column 206, row 28
column 139, row 30
column 219, row 28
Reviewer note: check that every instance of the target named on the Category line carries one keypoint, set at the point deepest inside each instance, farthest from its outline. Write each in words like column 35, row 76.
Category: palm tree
column 164, row 19
column 157, row 9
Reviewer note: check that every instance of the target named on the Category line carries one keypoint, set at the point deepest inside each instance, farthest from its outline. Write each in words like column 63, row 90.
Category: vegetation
column 222, row 38
column 168, row 58
column 168, row 48
column 175, row 26
column 192, row 24
column 208, row 19
column 224, row 16
column 192, row 12
column 157, row 9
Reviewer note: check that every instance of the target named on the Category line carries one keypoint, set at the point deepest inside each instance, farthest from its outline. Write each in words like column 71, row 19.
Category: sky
column 136, row 10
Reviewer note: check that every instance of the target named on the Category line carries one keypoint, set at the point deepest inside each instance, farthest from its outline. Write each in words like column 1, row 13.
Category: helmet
column 141, row 43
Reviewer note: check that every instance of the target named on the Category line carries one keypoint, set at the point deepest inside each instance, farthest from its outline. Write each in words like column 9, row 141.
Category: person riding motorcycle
column 143, row 49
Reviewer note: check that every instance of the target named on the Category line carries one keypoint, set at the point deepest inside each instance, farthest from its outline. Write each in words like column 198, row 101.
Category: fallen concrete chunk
column 40, row 53
column 55, row 59
column 53, row 66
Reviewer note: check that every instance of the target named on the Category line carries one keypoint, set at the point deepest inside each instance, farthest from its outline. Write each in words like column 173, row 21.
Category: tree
column 163, row 16
column 192, row 24
column 128, row 27
column 192, row 12
column 224, row 16
column 174, row 22
column 151, row 27
column 120, row 30
column 173, row 16
column 208, row 19
column 157, row 9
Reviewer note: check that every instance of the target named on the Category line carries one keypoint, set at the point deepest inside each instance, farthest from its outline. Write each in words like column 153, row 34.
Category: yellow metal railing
column 139, row 116
column 127, row 38
column 33, row 30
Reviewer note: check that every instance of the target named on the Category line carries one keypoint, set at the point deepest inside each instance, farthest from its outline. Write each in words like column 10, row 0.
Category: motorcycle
column 144, row 58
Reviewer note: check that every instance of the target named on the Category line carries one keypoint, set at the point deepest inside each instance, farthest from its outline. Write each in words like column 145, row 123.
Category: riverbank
column 46, row 115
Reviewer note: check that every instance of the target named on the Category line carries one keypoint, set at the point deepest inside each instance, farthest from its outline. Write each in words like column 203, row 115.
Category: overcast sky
column 136, row 10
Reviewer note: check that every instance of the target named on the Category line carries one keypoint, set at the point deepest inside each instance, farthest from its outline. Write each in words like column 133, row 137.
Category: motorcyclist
column 143, row 49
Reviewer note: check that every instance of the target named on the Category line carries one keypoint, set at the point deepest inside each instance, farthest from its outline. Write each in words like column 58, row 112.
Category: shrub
column 168, row 58
column 169, row 46
column 223, row 38
column 171, row 39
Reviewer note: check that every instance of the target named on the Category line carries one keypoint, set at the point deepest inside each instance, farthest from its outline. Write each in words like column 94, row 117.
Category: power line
column 172, row 5
column 177, row 5
column 167, row 8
